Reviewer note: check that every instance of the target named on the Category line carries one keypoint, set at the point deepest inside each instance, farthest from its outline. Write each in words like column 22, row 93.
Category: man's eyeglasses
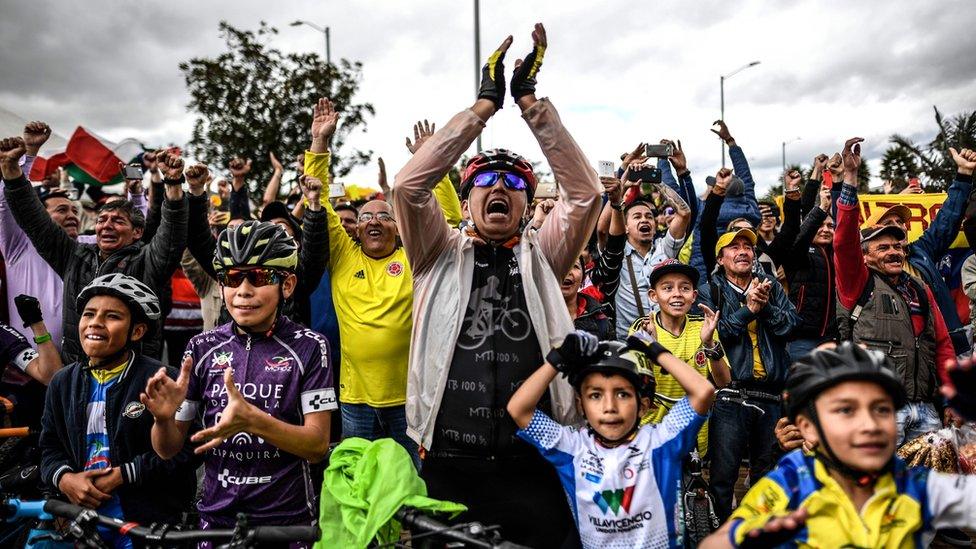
column 512, row 181
column 232, row 278
column 368, row 216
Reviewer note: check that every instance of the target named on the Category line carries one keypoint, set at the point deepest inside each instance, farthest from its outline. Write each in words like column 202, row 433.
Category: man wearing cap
column 925, row 252
column 885, row 308
column 755, row 318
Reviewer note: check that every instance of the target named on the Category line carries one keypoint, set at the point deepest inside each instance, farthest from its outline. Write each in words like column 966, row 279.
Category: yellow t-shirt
column 374, row 303
column 686, row 346
column 102, row 375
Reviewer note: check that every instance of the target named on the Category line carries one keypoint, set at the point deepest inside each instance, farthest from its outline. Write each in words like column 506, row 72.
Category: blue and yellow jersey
column 906, row 506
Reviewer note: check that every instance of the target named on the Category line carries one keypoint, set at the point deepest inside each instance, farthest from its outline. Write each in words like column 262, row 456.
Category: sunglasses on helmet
column 232, row 278
column 511, row 180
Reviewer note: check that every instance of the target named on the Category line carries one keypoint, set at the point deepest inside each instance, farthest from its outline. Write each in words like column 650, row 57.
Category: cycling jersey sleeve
column 951, row 500
column 190, row 409
column 14, row 349
column 549, row 437
column 766, row 499
column 318, row 391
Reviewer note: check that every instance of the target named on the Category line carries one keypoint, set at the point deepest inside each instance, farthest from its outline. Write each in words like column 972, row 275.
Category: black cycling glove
column 523, row 79
column 493, row 79
column 578, row 348
column 29, row 309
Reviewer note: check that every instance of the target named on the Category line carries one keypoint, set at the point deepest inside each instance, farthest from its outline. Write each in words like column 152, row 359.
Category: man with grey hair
column 118, row 244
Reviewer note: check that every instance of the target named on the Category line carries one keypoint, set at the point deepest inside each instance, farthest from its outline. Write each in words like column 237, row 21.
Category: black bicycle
column 83, row 524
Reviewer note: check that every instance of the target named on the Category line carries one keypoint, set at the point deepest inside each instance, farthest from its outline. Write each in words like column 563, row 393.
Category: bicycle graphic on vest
column 489, row 312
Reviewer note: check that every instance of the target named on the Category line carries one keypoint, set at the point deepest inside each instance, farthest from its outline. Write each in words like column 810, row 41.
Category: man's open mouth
column 497, row 206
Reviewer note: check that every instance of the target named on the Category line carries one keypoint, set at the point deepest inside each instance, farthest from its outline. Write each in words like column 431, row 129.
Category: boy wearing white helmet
column 96, row 434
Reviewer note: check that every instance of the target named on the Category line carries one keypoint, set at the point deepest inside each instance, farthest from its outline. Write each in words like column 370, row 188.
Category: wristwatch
column 619, row 207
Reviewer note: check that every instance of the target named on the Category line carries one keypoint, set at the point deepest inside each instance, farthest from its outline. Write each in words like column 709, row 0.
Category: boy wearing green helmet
column 262, row 386
column 623, row 481
column 851, row 490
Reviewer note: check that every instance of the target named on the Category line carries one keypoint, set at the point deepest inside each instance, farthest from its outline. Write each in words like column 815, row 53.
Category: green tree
column 934, row 164
column 253, row 99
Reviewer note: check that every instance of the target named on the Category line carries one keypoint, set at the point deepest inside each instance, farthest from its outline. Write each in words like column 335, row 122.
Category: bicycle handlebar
column 467, row 534
column 261, row 534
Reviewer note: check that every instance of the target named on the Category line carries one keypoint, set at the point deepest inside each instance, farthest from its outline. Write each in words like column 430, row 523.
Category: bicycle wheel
column 516, row 324
column 698, row 521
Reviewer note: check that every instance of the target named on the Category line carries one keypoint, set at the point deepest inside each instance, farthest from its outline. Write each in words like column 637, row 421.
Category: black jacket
column 153, row 490
column 594, row 318
column 78, row 264
column 810, row 277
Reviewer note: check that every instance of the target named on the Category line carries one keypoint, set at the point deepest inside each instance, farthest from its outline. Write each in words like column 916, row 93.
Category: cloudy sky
column 619, row 72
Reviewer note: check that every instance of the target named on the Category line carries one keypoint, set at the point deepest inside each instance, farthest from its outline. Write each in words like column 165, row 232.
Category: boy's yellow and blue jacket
column 899, row 513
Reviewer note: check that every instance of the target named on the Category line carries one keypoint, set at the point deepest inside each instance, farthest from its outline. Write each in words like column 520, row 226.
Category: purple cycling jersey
column 286, row 374
column 14, row 349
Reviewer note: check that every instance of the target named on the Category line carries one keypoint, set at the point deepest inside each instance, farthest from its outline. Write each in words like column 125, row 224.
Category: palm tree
column 935, row 166
column 898, row 165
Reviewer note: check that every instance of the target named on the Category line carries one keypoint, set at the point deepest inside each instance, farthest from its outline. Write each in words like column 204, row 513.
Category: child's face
column 104, row 326
column 254, row 307
column 858, row 419
column 610, row 404
column 675, row 294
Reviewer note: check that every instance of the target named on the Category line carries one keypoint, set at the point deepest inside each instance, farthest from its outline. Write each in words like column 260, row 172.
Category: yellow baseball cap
column 728, row 237
column 901, row 210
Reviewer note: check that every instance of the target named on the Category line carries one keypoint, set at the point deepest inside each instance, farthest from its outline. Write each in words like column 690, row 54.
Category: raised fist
column 172, row 167
column 239, row 167
column 35, row 135
column 722, row 180
column 965, row 160
column 852, row 155
column 11, row 149
column 197, row 175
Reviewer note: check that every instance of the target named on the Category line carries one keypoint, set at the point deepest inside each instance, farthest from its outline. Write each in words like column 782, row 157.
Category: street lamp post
column 785, row 143
column 477, row 57
column 721, row 88
column 323, row 30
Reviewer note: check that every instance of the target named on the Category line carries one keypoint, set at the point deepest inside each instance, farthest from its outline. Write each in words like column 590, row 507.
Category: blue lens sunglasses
column 511, row 180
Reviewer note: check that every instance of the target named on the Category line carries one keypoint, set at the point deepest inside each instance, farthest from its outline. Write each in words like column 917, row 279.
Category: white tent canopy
column 11, row 124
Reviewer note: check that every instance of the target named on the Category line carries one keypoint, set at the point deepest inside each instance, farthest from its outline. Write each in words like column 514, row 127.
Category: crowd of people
column 554, row 364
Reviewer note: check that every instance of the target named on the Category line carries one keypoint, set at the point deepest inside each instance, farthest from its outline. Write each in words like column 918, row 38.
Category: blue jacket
column 734, row 207
column 924, row 254
column 774, row 323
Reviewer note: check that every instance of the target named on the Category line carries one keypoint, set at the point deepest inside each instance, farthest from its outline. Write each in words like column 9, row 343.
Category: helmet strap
column 830, row 461
column 613, row 443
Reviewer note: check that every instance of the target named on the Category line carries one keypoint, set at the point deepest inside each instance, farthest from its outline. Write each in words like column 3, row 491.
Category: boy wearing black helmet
column 623, row 481
column 95, row 439
column 852, row 491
